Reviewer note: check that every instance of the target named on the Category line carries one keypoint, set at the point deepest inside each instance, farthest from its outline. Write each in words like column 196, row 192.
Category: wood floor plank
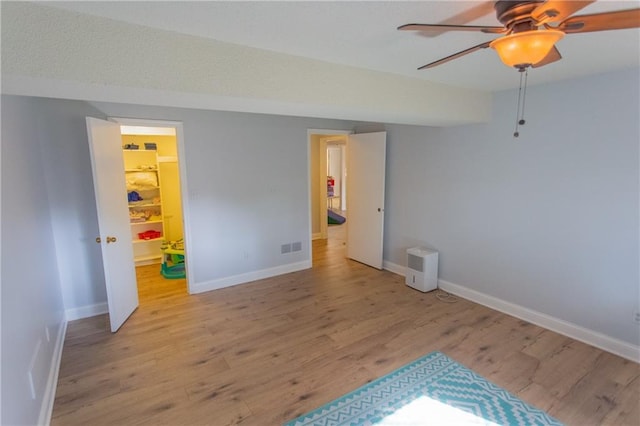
column 265, row 352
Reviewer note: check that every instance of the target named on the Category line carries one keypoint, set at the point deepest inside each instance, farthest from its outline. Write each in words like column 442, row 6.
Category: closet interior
column 153, row 192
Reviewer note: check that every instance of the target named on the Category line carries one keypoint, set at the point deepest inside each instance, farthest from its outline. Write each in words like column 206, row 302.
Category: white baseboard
column 590, row 337
column 249, row 276
column 86, row 311
column 393, row 267
column 49, row 396
column 585, row 335
column 103, row 308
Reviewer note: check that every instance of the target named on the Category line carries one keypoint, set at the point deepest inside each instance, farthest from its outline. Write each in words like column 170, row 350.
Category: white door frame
column 343, row 177
column 325, row 143
column 339, row 144
column 183, row 180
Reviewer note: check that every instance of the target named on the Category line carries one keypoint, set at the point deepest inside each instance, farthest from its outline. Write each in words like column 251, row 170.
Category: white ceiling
column 363, row 34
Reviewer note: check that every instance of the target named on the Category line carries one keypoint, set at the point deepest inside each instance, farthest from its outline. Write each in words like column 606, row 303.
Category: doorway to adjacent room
column 346, row 173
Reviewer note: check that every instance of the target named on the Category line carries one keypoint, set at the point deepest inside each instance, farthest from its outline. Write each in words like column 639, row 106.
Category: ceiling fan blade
column 552, row 56
column 476, row 11
column 617, row 20
column 447, row 27
column 558, row 10
column 456, row 55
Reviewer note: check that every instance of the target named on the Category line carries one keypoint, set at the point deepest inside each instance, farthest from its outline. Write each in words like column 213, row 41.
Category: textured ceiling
column 363, row 34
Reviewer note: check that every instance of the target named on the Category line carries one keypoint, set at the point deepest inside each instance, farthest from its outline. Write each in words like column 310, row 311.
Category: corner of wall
column 590, row 337
column 49, row 395
column 86, row 311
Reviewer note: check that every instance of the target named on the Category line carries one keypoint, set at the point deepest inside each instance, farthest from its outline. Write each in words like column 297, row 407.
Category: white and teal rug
column 433, row 390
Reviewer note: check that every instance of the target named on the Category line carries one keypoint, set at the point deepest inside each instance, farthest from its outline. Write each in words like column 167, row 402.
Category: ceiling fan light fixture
column 526, row 48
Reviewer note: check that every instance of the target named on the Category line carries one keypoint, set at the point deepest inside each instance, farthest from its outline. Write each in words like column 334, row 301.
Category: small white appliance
column 422, row 269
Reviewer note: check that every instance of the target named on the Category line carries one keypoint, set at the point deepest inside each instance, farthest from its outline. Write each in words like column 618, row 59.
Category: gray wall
column 31, row 298
column 248, row 189
column 548, row 221
column 73, row 209
column 248, row 186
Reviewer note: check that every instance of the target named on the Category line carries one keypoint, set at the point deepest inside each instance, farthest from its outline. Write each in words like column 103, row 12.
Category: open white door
column 366, row 156
column 113, row 219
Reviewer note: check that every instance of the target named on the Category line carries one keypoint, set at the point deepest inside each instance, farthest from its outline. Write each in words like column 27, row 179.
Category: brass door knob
column 98, row 240
column 111, row 240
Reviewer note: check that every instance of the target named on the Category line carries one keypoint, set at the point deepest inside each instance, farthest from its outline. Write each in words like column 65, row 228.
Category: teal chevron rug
column 433, row 390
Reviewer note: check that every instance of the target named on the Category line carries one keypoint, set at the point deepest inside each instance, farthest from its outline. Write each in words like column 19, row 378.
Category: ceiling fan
column 530, row 29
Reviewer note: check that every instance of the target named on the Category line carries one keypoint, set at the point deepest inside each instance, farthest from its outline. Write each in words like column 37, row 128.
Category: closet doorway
column 139, row 159
column 152, row 176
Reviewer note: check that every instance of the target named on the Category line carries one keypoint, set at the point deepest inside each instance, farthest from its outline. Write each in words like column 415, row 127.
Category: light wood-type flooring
column 265, row 352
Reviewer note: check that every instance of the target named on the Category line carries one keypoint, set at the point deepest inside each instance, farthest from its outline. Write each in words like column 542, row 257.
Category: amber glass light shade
column 526, row 48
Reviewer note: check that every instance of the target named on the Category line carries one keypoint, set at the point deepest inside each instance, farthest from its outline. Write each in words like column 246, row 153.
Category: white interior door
column 113, row 219
column 366, row 157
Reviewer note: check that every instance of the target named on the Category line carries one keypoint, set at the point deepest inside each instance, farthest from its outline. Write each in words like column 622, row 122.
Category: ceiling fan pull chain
column 524, row 96
column 516, row 133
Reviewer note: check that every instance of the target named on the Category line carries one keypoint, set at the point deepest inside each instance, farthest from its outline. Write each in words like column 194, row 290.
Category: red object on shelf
column 330, row 185
column 149, row 235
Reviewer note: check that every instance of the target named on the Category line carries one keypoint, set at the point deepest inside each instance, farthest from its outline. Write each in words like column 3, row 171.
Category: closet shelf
column 146, row 188
column 168, row 159
column 133, row 206
column 143, row 175
column 146, row 222
column 139, row 241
